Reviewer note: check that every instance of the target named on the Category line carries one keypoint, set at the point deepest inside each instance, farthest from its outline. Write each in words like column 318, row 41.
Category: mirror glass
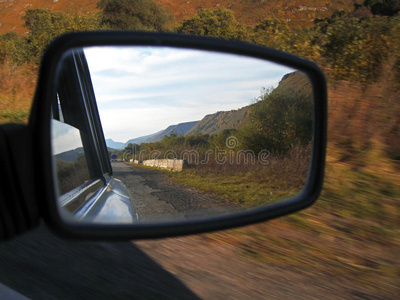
column 190, row 134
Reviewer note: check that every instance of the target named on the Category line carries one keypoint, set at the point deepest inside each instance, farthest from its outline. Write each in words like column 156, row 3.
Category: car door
column 85, row 185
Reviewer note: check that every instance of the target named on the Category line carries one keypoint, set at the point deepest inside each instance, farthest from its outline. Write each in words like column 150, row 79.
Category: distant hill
column 115, row 145
column 71, row 155
column 233, row 119
column 296, row 80
column 222, row 120
column 142, row 139
column 179, row 129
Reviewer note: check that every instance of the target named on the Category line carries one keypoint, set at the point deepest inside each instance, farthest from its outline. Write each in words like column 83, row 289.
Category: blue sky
column 142, row 90
column 64, row 137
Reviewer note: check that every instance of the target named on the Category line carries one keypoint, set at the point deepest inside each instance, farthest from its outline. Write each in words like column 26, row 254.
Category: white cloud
column 64, row 137
column 141, row 90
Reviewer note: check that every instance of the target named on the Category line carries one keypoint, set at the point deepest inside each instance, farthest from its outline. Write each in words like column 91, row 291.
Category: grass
column 12, row 116
column 250, row 185
column 352, row 231
column 238, row 189
column 252, row 12
column 17, row 86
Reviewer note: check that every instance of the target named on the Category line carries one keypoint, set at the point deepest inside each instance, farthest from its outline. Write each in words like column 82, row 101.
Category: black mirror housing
column 43, row 168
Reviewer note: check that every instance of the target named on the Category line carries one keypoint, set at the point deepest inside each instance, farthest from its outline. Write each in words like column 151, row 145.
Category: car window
column 68, row 156
column 77, row 164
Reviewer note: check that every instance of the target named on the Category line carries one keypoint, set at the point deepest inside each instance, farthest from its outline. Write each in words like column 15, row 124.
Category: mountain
column 214, row 123
column 115, row 145
column 236, row 119
column 142, row 139
column 71, row 155
column 296, row 80
column 222, row 120
column 179, row 129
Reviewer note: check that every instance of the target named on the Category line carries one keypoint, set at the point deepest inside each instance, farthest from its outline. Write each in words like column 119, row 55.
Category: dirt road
column 155, row 198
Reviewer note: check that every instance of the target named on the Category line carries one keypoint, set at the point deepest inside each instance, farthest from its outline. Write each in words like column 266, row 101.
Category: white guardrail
column 169, row 164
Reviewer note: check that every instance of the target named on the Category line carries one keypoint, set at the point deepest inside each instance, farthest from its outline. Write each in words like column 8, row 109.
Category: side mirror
column 246, row 125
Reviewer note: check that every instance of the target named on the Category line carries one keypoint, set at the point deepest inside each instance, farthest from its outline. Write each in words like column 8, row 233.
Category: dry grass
column 17, row 87
column 352, row 232
column 247, row 184
column 253, row 12
column 12, row 12
column 362, row 117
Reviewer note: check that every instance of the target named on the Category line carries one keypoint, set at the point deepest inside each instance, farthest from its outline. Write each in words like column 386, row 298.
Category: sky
column 64, row 137
column 142, row 90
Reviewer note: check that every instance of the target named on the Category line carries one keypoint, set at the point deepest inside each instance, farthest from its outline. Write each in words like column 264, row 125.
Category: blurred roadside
column 353, row 231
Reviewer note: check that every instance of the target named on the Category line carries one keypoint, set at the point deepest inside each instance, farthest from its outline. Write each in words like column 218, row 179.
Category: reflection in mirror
column 69, row 160
column 195, row 134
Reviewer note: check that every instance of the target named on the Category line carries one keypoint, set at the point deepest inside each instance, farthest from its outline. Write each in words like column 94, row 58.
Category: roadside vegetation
column 353, row 229
column 71, row 174
column 261, row 160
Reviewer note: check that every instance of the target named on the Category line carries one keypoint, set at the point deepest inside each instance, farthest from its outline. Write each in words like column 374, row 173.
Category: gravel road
column 155, row 198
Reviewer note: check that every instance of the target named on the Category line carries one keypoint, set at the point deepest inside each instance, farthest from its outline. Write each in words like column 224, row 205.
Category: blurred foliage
column 353, row 47
column 356, row 46
column 273, row 33
column 12, row 116
column 71, row 174
column 13, row 48
column 134, row 15
column 44, row 25
column 277, row 34
column 220, row 23
column 383, row 7
column 17, row 85
column 362, row 46
column 360, row 54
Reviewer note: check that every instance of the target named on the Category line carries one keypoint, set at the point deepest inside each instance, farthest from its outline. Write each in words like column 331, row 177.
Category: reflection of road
column 156, row 198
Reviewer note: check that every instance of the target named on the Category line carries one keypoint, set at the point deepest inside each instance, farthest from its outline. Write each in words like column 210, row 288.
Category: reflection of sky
column 141, row 90
column 64, row 137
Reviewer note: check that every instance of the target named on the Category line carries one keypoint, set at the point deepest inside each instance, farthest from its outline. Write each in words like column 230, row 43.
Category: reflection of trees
column 71, row 174
column 280, row 120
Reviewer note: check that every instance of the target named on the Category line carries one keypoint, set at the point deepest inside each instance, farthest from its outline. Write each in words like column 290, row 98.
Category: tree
column 282, row 118
column 13, row 48
column 383, row 7
column 273, row 33
column 134, row 14
column 44, row 25
column 355, row 47
column 219, row 23
column 226, row 138
column 197, row 139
